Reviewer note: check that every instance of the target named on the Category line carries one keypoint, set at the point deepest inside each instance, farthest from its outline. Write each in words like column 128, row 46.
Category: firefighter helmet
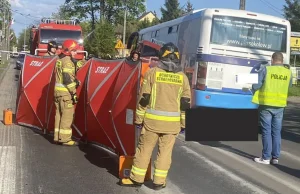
column 169, row 52
column 135, row 52
column 52, row 44
column 68, row 46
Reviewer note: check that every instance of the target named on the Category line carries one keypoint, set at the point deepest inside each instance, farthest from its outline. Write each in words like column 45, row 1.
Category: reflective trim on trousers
column 64, row 131
column 160, row 173
column 138, row 171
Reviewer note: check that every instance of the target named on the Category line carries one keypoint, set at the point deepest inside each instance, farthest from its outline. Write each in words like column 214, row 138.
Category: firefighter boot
column 159, row 187
column 127, row 182
column 71, row 143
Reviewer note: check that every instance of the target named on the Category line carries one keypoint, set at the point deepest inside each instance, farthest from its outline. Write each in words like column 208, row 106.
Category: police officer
column 271, row 94
column 51, row 49
column 65, row 93
column 164, row 97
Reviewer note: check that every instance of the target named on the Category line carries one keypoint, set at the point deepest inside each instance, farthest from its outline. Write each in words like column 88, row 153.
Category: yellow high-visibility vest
column 274, row 91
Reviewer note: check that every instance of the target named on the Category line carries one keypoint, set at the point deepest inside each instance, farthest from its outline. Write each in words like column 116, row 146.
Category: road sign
column 119, row 45
column 295, row 43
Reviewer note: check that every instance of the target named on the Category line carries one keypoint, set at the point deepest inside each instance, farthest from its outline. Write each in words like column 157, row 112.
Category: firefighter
column 164, row 97
column 65, row 93
column 135, row 55
column 51, row 49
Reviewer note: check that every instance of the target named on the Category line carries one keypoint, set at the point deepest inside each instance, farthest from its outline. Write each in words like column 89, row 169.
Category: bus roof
column 197, row 13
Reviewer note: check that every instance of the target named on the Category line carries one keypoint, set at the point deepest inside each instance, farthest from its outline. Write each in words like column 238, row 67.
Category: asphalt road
column 30, row 163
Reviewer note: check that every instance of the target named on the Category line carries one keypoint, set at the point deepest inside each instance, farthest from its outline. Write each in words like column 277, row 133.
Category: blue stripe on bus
column 230, row 90
column 227, row 60
column 222, row 100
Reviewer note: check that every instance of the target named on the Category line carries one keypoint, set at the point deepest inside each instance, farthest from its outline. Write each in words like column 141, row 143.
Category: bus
column 217, row 45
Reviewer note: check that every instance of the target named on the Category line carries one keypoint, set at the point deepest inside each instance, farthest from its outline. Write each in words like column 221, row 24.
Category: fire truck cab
column 57, row 30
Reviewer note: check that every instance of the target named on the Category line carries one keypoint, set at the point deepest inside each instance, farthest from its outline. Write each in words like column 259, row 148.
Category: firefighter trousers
column 147, row 142
column 63, row 118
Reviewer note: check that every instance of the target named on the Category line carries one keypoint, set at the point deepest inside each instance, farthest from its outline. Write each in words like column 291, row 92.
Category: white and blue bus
column 218, row 44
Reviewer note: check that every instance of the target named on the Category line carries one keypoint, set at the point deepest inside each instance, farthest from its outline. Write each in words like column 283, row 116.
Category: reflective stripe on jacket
column 65, row 75
column 163, row 114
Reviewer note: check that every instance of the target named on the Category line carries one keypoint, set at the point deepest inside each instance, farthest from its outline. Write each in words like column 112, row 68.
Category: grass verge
column 294, row 91
column 3, row 64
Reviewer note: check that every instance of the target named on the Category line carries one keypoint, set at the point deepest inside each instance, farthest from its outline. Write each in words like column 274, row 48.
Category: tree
column 146, row 23
column 189, row 7
column 171, row 11
column 62, row 13
column 83, row 9
column 22, row 40
column 292, row 13
column 103, row 43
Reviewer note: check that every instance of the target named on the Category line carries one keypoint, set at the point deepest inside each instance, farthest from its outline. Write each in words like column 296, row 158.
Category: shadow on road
column 228, row 148
column 290, row 171
column 101, row 158
column 291, row 125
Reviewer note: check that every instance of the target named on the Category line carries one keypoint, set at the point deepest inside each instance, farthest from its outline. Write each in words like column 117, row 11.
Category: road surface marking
column 8, row 171
column 290, row 183
column 292, row 156
column 234, row 177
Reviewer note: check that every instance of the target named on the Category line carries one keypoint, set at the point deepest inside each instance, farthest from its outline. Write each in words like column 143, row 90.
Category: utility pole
column 24, row 38
column 242, row 4
column 124, row 29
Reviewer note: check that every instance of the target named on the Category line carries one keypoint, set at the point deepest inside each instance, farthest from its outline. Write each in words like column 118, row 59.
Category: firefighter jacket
column 65, row 76
column 159, row 108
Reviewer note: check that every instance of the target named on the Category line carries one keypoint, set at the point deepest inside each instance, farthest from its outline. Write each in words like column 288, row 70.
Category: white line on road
column 234, row 177
column 292, row 156
column 8, row 169
column 290, row 183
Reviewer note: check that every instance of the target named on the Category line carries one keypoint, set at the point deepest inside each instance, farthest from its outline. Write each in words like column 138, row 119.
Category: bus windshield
column 248, row 33
column 59, row 35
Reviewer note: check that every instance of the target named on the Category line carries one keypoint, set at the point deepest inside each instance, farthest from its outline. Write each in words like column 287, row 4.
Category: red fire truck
column 57, row 30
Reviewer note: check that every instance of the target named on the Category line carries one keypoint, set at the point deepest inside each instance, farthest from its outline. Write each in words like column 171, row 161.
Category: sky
column 25, row 12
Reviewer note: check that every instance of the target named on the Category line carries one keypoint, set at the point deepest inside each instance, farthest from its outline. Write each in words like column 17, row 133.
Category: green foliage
column 294, row 91
column 189, row 7
column 103, row 41
column 171, row 10
column 21, row 39
column 62, row 13
column 13, row 42
column 292, row 13
column 109, row 10
column 146, row 23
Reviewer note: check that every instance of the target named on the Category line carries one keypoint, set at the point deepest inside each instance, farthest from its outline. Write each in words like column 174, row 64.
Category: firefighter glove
column 77, row 83
column 74, row 98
